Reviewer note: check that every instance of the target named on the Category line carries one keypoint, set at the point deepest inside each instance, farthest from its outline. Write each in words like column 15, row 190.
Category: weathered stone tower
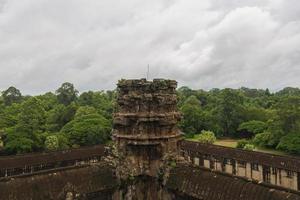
column 145, row 128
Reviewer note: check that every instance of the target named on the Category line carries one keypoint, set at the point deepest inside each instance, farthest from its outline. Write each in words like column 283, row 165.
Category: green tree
column 290, row 143
column 86, row 99
column 1, row 141
column 26, row 136
column 59, row 116
column 249, row 147
column 67, row 93
column 11, row 95
column 48, row 100
column 87, row 130
column 207, row 137
column 242, row 143
column 52, row 143
column 9, row 115
column 193, row 117
column 184, row 92
column 85, row 110
column 103, row 102
column 250, row 128
column 230, row 111
column 288, row 112
column 18, row 143
column 267, row 139
column 253, row 93
column 289, row 91
column 257, row 113
column 32, row 116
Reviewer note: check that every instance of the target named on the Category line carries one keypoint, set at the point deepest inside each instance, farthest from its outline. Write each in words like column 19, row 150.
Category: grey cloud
column 202, row 44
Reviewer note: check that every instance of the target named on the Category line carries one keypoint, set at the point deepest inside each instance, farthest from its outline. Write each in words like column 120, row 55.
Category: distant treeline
column 54, row 121
column 265, row 119
column 66, row 119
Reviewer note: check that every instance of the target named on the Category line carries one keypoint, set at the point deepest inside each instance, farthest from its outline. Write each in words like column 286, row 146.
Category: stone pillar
column 248, row 170
column 144, row 126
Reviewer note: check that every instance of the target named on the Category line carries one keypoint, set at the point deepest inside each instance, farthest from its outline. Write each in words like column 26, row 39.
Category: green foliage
column 252, row 127
column 54, row 121
column 59, row 116
column 26, row 135
column 289, row 91
column 207, row 137
column 67, row 93
column 193, row 116
column 242, row 113
column 26, row 123
column 18, row 143
column 11, row 95
column 265, row 139
column 9, row 116
column 85, row 110
column 55, row 141
column 249, row 147
column 48, row 100
column 1, row 144
column 230, row 111
column 63, row 141
column 196, row 117
column 290, row 143
column 242, row 143
column 173, row 164
column 101, row 101
column 32, row 116
column 52, row 143
column 88, row 129
column 288, row 112
column 254, row 93
column 256, row 113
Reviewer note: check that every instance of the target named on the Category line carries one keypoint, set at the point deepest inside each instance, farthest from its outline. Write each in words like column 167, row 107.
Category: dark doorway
column 266, row 174
column 212, row 164
column 233, row 163
column 201, row 161
column 298, row 180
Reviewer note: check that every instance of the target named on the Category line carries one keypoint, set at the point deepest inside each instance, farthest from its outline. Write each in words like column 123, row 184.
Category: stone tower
column 144, row 126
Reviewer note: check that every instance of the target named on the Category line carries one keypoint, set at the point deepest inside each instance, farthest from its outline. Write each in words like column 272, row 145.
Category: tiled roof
column 55, row 185
column 197, row 183
column 282, row 162
column 50, row 157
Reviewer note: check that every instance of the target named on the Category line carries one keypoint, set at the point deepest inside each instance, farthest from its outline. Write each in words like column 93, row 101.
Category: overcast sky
column 200, row 43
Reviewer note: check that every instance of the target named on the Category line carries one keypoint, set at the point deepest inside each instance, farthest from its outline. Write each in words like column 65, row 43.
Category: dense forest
column 257, row 117
column 67, row 119
column 54, row 121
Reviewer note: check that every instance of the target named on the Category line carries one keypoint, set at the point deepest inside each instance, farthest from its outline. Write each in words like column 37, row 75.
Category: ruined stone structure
column 145, row 124
column 283, row 171
column 146, row 164
column 36, row 162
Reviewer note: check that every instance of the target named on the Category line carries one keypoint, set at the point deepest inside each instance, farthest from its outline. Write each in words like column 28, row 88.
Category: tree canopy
column 11, row 95
column 266, row 119
column 54, row 121
column 67, row 118
column 66, row 93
